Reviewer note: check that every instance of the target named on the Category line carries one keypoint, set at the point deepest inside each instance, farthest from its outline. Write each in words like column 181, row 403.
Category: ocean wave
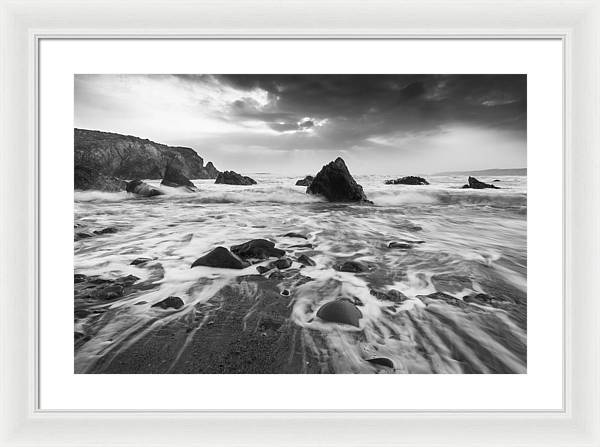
column 447, row 197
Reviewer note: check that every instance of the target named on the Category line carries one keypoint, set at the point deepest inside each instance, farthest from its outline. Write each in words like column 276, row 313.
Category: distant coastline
column 494, row 172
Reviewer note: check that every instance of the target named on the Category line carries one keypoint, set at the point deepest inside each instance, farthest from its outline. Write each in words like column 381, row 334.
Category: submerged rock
column 401, row 245
column 440, row 296
column 258, row 249
column 486, row 300
column 352, row 266
column 107, row 230
column 172, row 302
column 97, row 288
column 140, row 261
column 389, row 295
column 382, row 361
column 409, row 180
column 174, row 178
column 305, row 260
column 220, row 257
column 335, row 183
column 143, row 189
column 233, row 178
column 340, row 311
column 476, row 184
column 82, row 235
column 306, row 181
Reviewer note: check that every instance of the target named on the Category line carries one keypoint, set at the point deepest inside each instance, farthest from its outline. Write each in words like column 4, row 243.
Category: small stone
column 285, row 292
column 352, row 266
column 401, row 245
column 292, row 234
column 382, row 361
column 140, row 261
column 262, row 269
column 305, row 260
column 108, row 230
column 220, row 257
column 172, row 302
column 78, row 277
column 281, row 264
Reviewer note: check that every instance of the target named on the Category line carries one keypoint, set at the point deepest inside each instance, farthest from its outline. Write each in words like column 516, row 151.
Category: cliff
column 128, row 157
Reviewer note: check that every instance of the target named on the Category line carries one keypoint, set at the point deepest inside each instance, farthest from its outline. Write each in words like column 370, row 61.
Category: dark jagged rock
column 305, row 260
column 257, row 249
column 285, row 292
column 292, row 234
column 306, row 181
column 276, row 275
column 401, row 245
column 382, row 361
column 352, row 266
column 409, row 180
column 97, row 288
column 172, row 302
column 210, row 170
column 281, row 264
column 128, row 157
column 476, row 184
column 443, row 297
column 233, row 178
column 107, row 230
column 78, row 277
column 87, row 178
column 340, row 311
column 220, row 257
column 262, row 269
column 335, row 183
column 82, row 235
column 389, row 295
column 140, row 261
column 143, row 189
column 174, row 178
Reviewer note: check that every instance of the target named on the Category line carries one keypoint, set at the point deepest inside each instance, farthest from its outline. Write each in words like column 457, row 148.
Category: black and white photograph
column 300, row 224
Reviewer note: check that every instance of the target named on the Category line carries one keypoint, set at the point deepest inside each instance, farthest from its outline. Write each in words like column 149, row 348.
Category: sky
column 293, row 124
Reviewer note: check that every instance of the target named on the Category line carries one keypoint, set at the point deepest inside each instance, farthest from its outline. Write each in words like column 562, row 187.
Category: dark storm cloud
column 357, row 108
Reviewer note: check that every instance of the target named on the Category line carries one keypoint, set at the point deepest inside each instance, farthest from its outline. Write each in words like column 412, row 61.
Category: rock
column 220, row 257
column 305, row 260
column 107, row 230
column 257, row 249
column 352, row 266
column 306, row 181
column 485, row 300
column 172, row 302
column 301, row 246
column 401, row 245
column 174, row 178
column 496, row 180
column 476, row 184
column 410, row 180
column 233, row 178
column 382, row 361
column 78, row 277
column 335, row 183
column 128, row 157
column 276, row 275
column 340, row 311
column 281, row 264
column 262, row 269
column 285, row 292
column 143, row 189
column 140, row 261
column 139, row 303
column 82, row 235
column 292, row 234
column 451, row 283
column 88, row 178
column 389, row 295
column 81, row 313
column 440, row 296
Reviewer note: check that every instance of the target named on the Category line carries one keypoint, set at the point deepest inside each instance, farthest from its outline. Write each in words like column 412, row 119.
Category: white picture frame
column 24, row 23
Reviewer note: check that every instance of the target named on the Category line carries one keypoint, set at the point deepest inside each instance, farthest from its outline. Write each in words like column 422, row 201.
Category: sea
column 463, row 243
